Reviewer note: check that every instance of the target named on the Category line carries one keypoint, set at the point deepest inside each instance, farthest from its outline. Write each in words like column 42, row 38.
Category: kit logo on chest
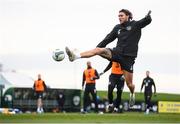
column 119, row 31
column 128, row 28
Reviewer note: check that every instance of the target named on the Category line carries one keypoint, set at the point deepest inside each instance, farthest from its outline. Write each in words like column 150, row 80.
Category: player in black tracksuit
column 128, row 34
column 89, row 77
column 116, row 79
column 148, row 82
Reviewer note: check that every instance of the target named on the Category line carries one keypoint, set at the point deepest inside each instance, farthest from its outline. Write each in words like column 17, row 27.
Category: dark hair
column 127, row 12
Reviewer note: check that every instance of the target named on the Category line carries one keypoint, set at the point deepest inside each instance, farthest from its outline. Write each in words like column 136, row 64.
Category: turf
column 128, row 117
column 140, row 96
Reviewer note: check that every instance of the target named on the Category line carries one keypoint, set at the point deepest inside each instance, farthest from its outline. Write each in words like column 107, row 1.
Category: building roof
column 15, row 79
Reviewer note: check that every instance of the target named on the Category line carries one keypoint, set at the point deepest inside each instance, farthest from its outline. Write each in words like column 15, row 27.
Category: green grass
column 126, row 117
column 140, row 96
column 129, row 117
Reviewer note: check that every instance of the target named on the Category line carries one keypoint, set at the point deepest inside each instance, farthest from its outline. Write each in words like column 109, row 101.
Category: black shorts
column 116, row 81
column 90, row 88
column 126, row 62
column 39, row 94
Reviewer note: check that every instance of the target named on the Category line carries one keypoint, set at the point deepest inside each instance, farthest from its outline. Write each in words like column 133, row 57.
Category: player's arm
column 142, row 85
column 154, row 86
column 107, row 68
column 145, row 21
column 109, row 38
column 34, row 86
column 97, row 75
column 83, row 79
column 45, row 87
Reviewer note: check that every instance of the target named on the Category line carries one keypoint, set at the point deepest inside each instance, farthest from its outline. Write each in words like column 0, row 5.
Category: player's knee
column 129, row 84
column 98, row 51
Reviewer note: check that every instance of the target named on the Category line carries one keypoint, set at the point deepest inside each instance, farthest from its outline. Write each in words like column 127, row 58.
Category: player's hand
column 101, row 73
column 122, row 78
column 92, row 78
column 83, row 87
column 149, row 12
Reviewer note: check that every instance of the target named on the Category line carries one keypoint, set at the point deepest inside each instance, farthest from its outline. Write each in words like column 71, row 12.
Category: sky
column 31, row 29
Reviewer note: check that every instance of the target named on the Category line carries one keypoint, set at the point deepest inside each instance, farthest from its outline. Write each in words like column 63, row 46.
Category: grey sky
column 31, row 29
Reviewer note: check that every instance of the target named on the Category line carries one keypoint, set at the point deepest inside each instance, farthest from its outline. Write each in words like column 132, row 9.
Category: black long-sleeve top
column 148, row 83
column 128, row 35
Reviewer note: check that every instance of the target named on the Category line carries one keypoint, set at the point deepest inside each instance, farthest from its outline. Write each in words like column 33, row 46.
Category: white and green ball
column 58, row 55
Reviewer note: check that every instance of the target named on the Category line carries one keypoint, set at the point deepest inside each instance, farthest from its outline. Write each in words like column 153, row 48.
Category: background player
column 39, row 87
column 148, row 82
column 116, row 79
column 89, row 77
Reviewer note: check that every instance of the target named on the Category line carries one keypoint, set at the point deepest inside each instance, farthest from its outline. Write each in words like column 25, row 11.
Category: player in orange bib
column 89, row 77
column 116, row 79
column 39, row 87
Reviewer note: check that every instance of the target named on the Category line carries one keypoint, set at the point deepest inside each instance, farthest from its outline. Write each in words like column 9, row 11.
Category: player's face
column 89, row 64
column 39, row 76
column 123, row 17
column 147, row 73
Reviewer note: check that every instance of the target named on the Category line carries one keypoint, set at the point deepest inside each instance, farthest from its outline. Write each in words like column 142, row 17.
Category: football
column 58, row 55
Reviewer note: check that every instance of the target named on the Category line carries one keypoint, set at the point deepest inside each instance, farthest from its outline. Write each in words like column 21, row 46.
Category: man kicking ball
column 128, row 33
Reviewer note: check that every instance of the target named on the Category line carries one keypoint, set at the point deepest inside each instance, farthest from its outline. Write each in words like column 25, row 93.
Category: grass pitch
column 127, row 117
